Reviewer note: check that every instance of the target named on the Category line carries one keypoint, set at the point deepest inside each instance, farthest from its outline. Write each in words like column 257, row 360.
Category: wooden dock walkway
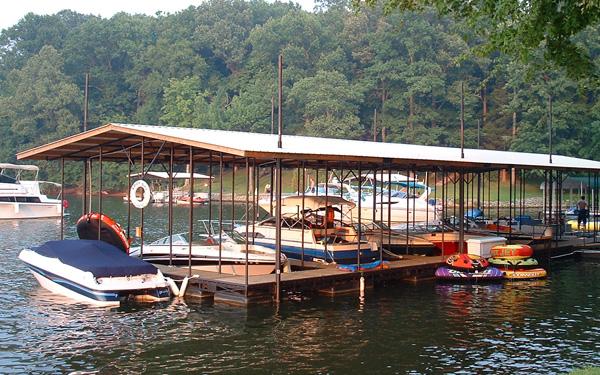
column 329, row 279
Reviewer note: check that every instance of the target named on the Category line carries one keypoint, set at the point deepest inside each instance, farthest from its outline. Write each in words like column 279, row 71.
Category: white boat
column 394, row 242
column 311, row 231
column 24, row 199
column 401, row 200
column 95, row 272
column 206, row 254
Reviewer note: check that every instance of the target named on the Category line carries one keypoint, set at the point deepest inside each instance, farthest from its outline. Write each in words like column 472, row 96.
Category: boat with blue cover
column 95, row 272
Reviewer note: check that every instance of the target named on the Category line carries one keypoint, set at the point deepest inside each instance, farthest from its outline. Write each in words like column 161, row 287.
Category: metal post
column 191, row 210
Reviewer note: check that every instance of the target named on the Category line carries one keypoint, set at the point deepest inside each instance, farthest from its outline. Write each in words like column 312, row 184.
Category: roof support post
column 171, row 205
column 84, row 195
column 192, row 213
column 278, row 229
column 461, row 211
column 248, row 223
column 62, row 194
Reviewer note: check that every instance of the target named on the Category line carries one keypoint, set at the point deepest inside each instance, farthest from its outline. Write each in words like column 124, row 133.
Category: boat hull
column 98, row 289
column 24, row 210
column 335, row 253
column 206, row 255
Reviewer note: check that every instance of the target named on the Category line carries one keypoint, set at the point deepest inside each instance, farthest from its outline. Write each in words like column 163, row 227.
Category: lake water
column 533, row 327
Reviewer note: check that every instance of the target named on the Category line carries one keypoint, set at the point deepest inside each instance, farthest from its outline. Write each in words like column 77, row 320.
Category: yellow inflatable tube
column 589, row 226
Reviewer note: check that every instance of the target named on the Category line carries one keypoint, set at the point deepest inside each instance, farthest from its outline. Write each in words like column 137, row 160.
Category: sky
column 13, row 10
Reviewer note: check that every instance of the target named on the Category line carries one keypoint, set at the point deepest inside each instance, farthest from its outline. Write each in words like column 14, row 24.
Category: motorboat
column 400, row 200
column 197, row 199
column 25, row 199
column 95, row 271
column 226, row 252
column 394, row 242
column 312, row 229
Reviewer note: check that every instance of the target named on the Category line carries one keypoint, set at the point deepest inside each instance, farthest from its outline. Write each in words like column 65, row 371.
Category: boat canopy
column 176, row 175
column 19, row 167
column 314, row 202
column 97, row 257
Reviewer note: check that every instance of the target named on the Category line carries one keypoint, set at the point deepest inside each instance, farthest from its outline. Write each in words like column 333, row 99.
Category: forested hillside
column 215, row 66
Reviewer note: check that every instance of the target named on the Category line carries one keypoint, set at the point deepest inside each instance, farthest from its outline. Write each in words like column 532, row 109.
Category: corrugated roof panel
column 115, row 137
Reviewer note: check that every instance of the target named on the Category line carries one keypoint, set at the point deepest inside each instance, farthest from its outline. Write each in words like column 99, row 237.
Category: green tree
column 330, row 105
column 43, row 104
column 520, row 28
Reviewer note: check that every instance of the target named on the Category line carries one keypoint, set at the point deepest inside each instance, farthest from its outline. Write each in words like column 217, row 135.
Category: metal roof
column 119, row 142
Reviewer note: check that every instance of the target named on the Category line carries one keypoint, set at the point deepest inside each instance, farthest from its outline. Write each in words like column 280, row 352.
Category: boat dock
column 328, row 279
column 458, row 175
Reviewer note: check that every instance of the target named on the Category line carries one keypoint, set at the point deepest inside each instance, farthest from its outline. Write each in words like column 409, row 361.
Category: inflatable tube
column 488, row 274
column 467, row 262
column 110, row 232
column 512, row 263
column 522, row 274
column 511, row 251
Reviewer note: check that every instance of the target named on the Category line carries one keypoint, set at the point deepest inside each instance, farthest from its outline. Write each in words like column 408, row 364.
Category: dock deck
column 328, row 279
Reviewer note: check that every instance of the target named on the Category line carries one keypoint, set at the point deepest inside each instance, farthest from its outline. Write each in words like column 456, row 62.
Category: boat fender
column 287, row 267
column 184, row 285
column 139, row 194
column 173, row 286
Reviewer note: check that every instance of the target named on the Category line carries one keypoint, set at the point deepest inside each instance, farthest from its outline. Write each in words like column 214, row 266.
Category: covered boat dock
column 148, row 148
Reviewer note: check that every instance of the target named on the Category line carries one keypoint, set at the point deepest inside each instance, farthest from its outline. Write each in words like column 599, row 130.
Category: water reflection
column 540, row 327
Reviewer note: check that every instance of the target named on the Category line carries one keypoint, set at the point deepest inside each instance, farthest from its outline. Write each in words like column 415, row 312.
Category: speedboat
column 230, row 257
column 24, row 199
column 95, row 271
column 312, row 230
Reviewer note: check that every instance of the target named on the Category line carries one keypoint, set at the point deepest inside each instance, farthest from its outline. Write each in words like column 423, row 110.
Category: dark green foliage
column 215, row 66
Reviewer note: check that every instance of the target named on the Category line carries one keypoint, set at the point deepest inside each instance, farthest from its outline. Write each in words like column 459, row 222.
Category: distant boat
column 95, row 272
column 401, row 200
column 24, row 199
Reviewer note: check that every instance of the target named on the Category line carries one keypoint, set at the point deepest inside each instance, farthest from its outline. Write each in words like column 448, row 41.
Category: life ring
column 139, row 194
column 110, row 232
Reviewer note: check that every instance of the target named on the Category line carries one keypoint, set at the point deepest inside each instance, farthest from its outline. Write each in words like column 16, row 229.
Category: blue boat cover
column 363, row 266
column 98, row 257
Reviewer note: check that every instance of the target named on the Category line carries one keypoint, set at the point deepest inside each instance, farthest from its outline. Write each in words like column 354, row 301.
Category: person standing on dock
column 582, row 206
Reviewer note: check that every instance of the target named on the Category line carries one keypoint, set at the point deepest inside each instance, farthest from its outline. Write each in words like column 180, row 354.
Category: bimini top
column 121, row 142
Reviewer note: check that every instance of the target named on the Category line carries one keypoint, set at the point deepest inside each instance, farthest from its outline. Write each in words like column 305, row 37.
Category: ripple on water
column 541, row 327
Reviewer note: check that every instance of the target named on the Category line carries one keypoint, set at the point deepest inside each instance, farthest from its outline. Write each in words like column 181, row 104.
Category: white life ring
column 139, row 194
